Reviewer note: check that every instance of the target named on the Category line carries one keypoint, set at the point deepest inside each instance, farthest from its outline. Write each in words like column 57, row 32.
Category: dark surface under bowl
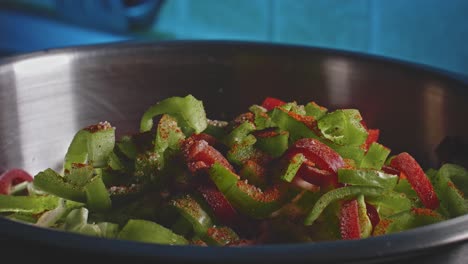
column 46, row 97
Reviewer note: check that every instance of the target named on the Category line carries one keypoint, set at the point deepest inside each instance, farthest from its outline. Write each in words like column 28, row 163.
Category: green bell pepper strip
column 451, row 198
column 51, row 182
column 364, row 221
column 314, row 110
column 390, row 203
column 243, row 151
column 292, row 168
column 188, row 111
column 403, row 186
column 458, row 175
column 78, row 150
column 108, row 230
column 79, row 175
column 220, row 236
column 77, row 222
column 287, row 122
column 239, row 133
column 168, row 135
column 262, row 120
column 367, row 177
column 147, row 165
column 97, row 196
column 294, row 107
column 114, row 162
column 91, row 145
column 193, row 212
column 127, row 147
column 355, row 153
column 182, row 226
column 27, row 204
column 343, row 127
column 375, row 157
column 247, row 198
column 23, row 217
column 405, row 220
column 51, row 217
column 216, row 128
column 253, row 173
column 339, row 194
column 275, row 144
column 150, row 232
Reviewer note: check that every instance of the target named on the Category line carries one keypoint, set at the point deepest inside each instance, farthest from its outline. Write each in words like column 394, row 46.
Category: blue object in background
column 431, row 32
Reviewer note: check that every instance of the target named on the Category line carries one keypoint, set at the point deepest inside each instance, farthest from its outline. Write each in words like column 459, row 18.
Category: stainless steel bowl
column 46, row 97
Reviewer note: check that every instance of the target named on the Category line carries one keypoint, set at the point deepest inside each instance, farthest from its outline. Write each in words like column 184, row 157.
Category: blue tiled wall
column 432, row 32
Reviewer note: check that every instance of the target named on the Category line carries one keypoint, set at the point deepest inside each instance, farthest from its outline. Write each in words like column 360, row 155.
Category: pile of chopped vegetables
column 278, row 173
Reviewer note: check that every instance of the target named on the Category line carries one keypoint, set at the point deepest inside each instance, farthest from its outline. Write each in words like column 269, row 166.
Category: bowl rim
column 414, row 241
column 108, row 48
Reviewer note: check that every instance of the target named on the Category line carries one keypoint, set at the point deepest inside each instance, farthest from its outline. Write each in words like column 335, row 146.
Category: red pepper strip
column 317, row 176
column 372, row 214
column 270, row 103
column 212, row 141
column 199, row 155
column 349, row 220
column 373, row 136
column 406, row 164
column 222, row 209
column 390, row 170
column 11, row 178
column 320, row 154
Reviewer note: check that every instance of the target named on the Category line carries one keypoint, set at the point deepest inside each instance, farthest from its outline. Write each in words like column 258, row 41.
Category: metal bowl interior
column 46, row 97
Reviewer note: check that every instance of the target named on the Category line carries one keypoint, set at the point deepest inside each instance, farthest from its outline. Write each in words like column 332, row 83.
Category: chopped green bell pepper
column 262, row 119
column 390, row 203
column 247, row 198
column 364, row 221
column 53, row 183
column 91, row 145
column 151, row 232
column 375, row 157
column 193, row 212
column 296, row 128
column 97, row 196
column 367, row 177
column 339, row 194
column 315, row 110
column 343, row 127
column 27, row 204
column 292, row 168
column 405, row 220
column 274, row 145
column 239, row 133
column 188, row 111
column 451, row 198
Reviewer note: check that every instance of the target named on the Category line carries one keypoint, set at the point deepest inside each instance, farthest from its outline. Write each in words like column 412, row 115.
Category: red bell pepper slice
column 317, row 176
column 372, row 214
column 373, row 136
column 212, row 141
column 199, row 155
column 221, row 207
column 406, row 164
column 349, row 220
column 11, row 178
column 270, row 103
column 324, row 157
